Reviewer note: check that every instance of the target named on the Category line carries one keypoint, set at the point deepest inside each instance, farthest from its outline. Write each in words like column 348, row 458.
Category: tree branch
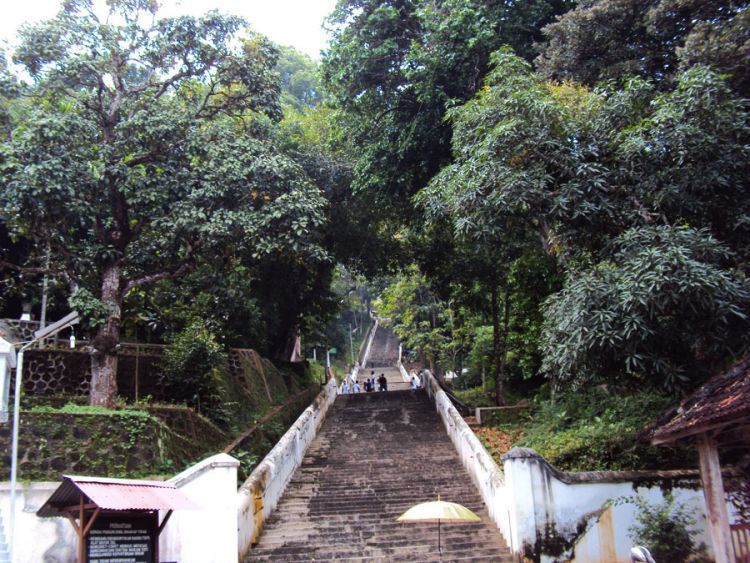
column 150, row 279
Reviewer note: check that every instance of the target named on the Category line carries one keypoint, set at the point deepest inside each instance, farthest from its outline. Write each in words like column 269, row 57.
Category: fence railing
column 741, row 542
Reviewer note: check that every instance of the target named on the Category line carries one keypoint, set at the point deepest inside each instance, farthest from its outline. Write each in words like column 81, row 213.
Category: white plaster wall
column 7, row 363
column 51, row 540
column 206, row 535
column 607, row 541
column 404, row 374
column 484, row 472
column 209, row 533
column 260, row 494
column 540, row 501
column 368, row 346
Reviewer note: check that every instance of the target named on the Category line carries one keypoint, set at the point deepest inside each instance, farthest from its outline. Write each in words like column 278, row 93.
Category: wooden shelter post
column 713, row 490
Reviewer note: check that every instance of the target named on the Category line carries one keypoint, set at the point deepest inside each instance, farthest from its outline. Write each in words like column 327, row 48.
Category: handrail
column 461, row 407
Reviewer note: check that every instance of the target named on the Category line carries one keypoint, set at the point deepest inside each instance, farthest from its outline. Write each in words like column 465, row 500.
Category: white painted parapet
column 404, row 374
column 484, row 472
column 208, row 534
column 205, row 535
column 551, row 509
column 7, row 363
column 260, row 494
column 37, row 539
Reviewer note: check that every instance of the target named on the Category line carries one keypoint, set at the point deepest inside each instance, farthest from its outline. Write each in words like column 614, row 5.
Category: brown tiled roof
column 723, row 399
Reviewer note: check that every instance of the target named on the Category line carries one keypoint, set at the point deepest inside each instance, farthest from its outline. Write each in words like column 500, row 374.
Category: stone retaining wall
column 98, row 444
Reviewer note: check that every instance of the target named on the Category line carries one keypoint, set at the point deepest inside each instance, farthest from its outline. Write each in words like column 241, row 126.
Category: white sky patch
column 286, row 22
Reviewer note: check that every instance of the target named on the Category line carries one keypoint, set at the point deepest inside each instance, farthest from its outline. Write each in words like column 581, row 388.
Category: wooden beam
column 81, row 539
column 163, row 523
column 76, row 507
column 91, row 521
column 694, row 431
column 73, row 523
column 716, row 504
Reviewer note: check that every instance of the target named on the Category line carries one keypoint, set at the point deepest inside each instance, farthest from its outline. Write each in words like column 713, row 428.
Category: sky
column 286, row 22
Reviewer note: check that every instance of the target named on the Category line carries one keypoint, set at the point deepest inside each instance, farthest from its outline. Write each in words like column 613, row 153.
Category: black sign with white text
column 122, row 539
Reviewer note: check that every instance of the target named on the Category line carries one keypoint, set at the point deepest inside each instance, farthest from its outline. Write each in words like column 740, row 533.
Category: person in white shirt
column 355, row 388
column 345, row 389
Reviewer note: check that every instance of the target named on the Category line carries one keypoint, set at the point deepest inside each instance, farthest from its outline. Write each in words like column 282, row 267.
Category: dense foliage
column 596, row 430
column 146, row 153
column 539, row 190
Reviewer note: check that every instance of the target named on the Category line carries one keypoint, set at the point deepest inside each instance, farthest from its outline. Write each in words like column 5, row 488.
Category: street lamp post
column 66, row 322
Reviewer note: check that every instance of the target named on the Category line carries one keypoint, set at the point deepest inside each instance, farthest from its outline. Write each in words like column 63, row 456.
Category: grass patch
column 74, row 408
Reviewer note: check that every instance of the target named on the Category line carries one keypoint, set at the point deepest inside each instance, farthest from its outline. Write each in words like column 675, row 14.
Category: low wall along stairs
column 376, row 455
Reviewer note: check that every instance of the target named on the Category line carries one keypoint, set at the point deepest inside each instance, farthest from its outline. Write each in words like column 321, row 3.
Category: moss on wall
column 60, row 434
column 91, row 441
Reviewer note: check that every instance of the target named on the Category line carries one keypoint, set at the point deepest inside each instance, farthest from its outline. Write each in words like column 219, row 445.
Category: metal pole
column 67, row 321
column 14, row 448
column 328, row 358
column 45, row 287
column 351, row 344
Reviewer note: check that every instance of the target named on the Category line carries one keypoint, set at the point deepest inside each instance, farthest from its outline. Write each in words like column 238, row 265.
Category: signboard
column 123, row 539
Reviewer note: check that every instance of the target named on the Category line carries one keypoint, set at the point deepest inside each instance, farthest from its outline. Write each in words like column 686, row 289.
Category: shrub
column 476, row 397
column 664, row 528
column 592, row 430
column 192, row 370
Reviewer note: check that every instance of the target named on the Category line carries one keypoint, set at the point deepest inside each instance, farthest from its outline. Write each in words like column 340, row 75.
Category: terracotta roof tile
column 722, row 399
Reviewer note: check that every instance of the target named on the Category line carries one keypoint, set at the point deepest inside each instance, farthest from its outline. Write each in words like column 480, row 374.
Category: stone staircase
column 4, row 551
column 384, row 351
column 377, row 454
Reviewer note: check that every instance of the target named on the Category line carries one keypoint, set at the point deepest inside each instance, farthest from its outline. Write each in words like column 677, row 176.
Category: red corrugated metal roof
column 115, row 494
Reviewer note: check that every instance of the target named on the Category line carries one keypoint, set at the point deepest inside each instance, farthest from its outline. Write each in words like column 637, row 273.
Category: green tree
column 300, row 80
column 143, row 150
column 665, row 310
column 575, row 169
column 654, row 39
column 394, row 66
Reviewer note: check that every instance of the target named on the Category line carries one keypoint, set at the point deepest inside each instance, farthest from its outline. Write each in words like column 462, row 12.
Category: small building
column 716, row 418
column 115, row 519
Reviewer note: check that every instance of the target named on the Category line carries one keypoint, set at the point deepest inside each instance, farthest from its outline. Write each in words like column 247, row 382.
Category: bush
column 476, row 397
column 664, row 528
column 192, row 370
column 595, row 431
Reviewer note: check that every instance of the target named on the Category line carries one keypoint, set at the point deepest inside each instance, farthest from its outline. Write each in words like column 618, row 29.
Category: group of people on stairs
column 369, row 384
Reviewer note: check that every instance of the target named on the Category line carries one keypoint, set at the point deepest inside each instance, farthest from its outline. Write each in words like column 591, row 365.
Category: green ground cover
column 590, row 430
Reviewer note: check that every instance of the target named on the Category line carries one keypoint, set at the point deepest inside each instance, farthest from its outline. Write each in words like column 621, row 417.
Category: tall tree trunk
column 103, row 389
column 497, row 350
column 506, row 331
column 290, row 342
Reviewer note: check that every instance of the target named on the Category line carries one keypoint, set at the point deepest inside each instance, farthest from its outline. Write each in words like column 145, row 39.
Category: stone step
column 332, row 553
column 375, row 456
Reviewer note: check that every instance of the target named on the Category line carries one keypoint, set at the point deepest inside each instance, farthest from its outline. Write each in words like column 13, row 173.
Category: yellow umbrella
column 438, row 510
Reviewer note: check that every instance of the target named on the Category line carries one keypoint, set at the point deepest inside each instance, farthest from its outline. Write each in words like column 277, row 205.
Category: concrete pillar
column 208, row 534
column 525, row 484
